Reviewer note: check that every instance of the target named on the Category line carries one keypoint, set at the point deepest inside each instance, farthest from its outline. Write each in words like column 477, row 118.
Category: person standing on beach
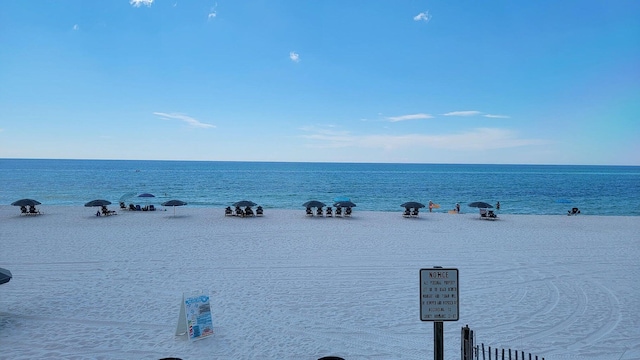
column 498, row 205
column 430, row 205
column 458, row 208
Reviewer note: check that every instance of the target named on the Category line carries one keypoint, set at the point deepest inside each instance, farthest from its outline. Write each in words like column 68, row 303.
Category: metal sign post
column 439, row 302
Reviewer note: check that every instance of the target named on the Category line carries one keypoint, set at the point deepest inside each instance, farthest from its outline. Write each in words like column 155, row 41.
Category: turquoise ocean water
column 521, row 189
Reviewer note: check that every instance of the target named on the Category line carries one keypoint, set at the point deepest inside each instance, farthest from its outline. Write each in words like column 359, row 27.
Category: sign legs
column 438, row 340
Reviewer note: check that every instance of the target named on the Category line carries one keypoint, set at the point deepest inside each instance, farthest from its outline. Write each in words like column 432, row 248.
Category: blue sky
column 523, row 82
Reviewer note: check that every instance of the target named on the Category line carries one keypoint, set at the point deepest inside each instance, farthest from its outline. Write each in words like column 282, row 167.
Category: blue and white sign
column 195, row 319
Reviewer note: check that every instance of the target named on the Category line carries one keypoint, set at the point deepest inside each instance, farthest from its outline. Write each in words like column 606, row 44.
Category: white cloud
column 472, row 140
column 187, row 119
column 138, row 3
column 423, row 16
column 76, row 27
column 463, row 113
column 496, row 116
column 409, row 117
column 294, row 56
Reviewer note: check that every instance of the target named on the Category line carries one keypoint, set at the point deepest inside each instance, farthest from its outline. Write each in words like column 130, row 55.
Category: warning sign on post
column 439, row 294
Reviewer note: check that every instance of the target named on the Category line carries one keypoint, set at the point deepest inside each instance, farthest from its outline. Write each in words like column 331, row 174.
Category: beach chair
column 132, row 207
column 107, row 212
column 239, row 212
column 574, row 211
column 123, row 206
column 338, row 211
column 152, row 207
column 347, row 212
column 329, row 212
column 406, row 213
column 33, row 210
column 248, row 211
column 259, row 211
column 483, row 213
column 309, row 212
column 138, row 208
column 319, row 212
column 415, row 212
column 228, row 211
column 23, row 210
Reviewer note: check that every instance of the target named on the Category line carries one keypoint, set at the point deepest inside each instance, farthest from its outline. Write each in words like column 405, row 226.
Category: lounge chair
column 415, row 212
column 107, row 212
column 406, row 213
column 259, row 211
column 132, row 207
column 329, row 212
column 248, row 211
column 347, row 211
column 152, row 208
column 23, row 210
column 338, row 211
column 319, row 212
column 123, row 206
column 487, row 214
column 239, row 211
column 138, row 208
column 309, row 212
column 33, row 210
column 228, row 211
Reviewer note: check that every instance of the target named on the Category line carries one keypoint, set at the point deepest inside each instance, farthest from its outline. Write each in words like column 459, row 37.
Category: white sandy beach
column 286, row 286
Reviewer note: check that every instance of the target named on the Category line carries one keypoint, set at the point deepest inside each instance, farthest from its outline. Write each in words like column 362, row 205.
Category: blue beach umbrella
column 344, row 203
column 481, row 205
column 174, row 203
column 314, row 203
column 244, row 203
column 5, row 276
column 26, row 202
column 98, row 202
column 412, row 204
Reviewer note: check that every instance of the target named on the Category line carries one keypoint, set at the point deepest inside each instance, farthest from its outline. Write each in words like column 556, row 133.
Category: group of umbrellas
column 102, row 202
column 417, row 205
column 338, row 202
